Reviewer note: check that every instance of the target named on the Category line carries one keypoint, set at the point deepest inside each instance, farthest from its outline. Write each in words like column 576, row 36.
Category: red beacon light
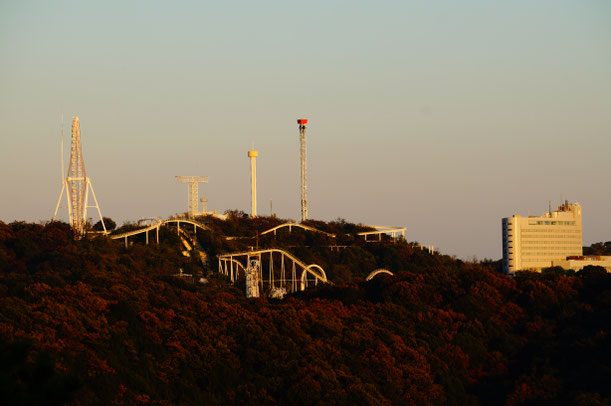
column 302, row 121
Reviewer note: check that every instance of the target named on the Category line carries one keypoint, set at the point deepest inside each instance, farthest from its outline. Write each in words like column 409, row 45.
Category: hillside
column 93, row 322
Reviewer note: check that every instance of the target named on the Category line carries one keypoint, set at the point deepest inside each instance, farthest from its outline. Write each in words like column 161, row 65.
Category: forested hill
column 92, row 322
column 599, row 248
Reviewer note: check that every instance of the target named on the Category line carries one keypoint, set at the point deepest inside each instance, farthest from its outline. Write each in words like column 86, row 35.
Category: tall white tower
column 77, row 185
column 253, row 182
column 303, row 173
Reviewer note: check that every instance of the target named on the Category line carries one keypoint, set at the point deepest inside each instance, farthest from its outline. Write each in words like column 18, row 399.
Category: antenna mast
column 303, row 173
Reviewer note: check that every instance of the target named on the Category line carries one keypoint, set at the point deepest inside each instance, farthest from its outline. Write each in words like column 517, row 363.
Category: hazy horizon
column 439, row 117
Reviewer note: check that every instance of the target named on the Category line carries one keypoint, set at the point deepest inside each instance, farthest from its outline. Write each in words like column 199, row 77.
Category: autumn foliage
column 92, row 322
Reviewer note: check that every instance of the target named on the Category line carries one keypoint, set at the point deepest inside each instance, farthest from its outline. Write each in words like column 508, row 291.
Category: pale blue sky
column 440, row 116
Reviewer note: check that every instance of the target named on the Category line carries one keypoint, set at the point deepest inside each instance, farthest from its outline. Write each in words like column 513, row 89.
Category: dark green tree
column 108, row 222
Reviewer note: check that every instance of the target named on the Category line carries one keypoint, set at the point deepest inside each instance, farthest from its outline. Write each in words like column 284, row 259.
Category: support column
column 253, row 182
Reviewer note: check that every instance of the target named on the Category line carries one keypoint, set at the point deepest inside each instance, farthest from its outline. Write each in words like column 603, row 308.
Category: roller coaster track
column 192, row 245
column 291, row 225
column 156, row 223
column 393, row 231
column 379, row 231
column 126, row 234
column 377, row 272
column 231, row 264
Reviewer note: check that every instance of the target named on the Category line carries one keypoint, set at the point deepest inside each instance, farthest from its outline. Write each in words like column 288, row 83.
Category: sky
column 439, row 116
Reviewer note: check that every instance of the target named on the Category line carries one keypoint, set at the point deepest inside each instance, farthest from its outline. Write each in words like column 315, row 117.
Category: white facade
column 578, row 263
column 533, row 243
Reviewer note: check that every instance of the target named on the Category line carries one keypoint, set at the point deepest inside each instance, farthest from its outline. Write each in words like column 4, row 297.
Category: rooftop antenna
column 550, row 207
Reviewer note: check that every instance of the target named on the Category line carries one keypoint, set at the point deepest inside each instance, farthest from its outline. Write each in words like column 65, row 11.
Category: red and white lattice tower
column 78, row 185
column 303, row 170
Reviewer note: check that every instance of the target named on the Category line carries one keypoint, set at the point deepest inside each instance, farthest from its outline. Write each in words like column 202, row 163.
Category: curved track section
column 229, row 270
column 231, row 264
column 291, row 225
column 155, row 224
column 194, row 223
column 135, row 232
column 377, row 272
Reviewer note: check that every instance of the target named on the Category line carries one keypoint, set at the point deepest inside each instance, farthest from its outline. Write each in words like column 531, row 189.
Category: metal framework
column 155, row 224
column 253, row 272
column 232, row 264
column 429, row 248
column 78, row 186
column 303, row 171
column 380, row 230
column 193, row 192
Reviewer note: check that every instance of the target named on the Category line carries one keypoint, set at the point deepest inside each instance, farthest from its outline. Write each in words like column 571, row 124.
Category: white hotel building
column 533, row 243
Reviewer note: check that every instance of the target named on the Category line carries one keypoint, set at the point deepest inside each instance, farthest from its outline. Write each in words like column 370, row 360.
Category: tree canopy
column 91, row 322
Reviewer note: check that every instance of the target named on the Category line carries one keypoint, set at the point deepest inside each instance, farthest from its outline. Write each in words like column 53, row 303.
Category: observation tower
column 253, row 182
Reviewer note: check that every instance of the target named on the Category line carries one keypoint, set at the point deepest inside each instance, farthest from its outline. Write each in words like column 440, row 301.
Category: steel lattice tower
column 192, row 192
column 303, row 173
column 77, row 178
column 78, row 185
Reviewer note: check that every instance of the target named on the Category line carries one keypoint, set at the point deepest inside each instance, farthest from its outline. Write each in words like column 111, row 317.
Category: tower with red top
column 303, row 173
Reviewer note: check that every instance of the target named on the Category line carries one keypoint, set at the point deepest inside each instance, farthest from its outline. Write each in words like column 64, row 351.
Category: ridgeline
column 90, row 321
